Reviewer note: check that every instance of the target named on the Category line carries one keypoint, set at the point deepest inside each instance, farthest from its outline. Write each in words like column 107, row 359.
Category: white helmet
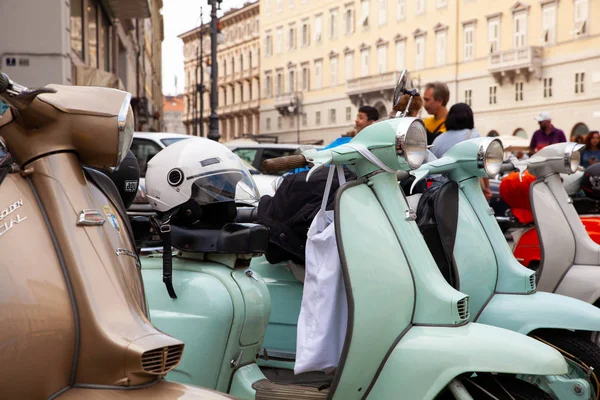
column 199, row 171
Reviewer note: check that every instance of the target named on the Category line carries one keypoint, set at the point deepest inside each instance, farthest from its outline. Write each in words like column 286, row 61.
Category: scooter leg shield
column 526, row 313
column 581, row 282
column 428, row 358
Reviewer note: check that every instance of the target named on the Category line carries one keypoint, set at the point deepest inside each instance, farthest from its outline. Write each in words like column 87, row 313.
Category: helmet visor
column 224, row 186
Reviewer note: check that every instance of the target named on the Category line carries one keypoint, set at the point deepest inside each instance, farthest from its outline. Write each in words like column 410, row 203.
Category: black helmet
column 590, row 184
column 126, row 178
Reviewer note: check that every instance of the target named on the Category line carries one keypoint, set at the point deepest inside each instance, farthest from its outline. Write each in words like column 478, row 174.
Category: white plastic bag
column 324, row 311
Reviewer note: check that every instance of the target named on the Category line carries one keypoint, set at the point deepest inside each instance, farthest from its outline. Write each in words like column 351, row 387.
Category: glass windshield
column 170, row 141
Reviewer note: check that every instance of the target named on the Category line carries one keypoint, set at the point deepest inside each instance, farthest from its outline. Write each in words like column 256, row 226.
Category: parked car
column 147, row 144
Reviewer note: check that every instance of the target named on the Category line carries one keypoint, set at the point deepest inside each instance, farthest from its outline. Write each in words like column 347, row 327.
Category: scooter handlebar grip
column 507, row 167
column 284, row 163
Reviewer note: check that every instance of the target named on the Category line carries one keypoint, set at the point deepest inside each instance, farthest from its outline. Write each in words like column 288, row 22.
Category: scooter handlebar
column 284, row 163
column 4, row 82
column 507, row 166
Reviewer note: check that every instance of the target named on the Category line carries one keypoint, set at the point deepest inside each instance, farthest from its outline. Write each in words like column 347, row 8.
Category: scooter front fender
column 428, row 358
column 526, row 313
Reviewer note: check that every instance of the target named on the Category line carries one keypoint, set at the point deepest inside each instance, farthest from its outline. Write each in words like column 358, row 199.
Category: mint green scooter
column 502, row 291
column 408, row 334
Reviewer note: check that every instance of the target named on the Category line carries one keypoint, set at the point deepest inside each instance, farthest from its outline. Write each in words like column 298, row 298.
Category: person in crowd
column 435, row 99
column 460, row 125
column 547, row 134
column 415, row 106
column 577, row 139
column 591, row 153
column 366, row 116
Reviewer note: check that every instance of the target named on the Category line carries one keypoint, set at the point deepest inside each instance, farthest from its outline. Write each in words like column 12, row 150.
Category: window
column 493, row 133
column 241, row 62
column 400, row 54
column 549, row 23
column 579, row 82
column 332, row 116
column 494, row 34
column 318, row 27
column 580, row 15
column 279, row 40
column 364, row 12
column 520, row 30
column 318, row 118
column 440, row 50
column 349, row 21
column 92, row 35
column 420, row 52
column 304, row 119
column 77, row 27
column 349, row 66
column 268, row 45
column 333, row 24
column 382, row 59
column 249, row 90
column 468, row 94
column 292, row 3
column 400, row 9
column 364, row 62
column 233, row 99
column 144, row 150
column 279, row 6
column 520, row 133
column 292, row 38
column 279, row 122
column 268, row 124
column 333, row 70
column 382, row 15
column 292, row 122
column 469, row 42
column 441, row 3
column 519, row 91
column 305, row 79
column 492, row 96
column 268, row 6
column 305, row 34
column 279, row 85
column 291, row 81
column 547, row 87
column 225, row 95
column 420, row 6
column 348, row 114
column 318, row 74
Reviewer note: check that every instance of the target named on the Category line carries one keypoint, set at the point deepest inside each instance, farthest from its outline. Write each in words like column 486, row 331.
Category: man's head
column 435, row 97
column 365, row 117
column 545, row 120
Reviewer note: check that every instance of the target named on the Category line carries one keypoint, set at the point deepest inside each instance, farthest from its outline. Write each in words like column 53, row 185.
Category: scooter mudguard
column 581, row 282
column 428, row 358
column 526, row 313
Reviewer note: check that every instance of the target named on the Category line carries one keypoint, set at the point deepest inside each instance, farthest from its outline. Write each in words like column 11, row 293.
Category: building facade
column 508, row 59
column 112, row 43
column 173, row 107
column 238, row 76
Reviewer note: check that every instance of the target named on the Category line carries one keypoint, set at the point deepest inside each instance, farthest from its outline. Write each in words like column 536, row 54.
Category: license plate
column 131, row 186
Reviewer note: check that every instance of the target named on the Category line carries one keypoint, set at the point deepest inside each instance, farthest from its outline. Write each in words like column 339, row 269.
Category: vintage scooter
column 502, row 291
column 72, row 304
column 402, row 314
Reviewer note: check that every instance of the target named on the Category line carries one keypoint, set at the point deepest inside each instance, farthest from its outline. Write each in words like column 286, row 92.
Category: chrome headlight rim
column 483, row 156
column 125, row 127
column 572, row 155
column 402, row 139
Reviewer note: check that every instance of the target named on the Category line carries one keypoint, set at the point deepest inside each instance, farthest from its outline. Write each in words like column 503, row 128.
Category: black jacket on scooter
column 289, row 213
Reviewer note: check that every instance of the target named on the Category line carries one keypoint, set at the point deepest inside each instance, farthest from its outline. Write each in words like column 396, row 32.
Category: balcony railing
column 372, row 83
column 509, row 63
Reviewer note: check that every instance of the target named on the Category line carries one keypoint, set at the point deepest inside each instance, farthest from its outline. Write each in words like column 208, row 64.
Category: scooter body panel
column 221, row 314
column 526, row 313
column 581, row 282
column 469, row 348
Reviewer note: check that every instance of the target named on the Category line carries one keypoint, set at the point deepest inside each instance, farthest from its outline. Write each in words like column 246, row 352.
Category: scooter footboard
column 429, row 357
column 526, row 313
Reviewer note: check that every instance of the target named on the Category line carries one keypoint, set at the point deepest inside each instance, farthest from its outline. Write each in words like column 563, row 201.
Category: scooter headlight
column 490, row 156
column 572, row 157
column 412, row 144
column 125, row 125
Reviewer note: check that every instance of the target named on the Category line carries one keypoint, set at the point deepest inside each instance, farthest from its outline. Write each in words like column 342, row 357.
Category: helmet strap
column 163, row 223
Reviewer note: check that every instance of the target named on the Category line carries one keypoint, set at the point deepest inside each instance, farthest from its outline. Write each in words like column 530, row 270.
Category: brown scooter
column 74, row 321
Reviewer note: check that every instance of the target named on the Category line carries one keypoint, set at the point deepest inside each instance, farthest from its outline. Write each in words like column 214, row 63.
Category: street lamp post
column 213, row 132
column 200, row 88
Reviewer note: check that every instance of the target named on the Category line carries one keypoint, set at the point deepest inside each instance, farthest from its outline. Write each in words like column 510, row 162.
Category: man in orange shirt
column 435, row 99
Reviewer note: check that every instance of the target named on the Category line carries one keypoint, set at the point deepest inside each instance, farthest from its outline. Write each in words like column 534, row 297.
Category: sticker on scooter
column 111, row 217
column 8, row 225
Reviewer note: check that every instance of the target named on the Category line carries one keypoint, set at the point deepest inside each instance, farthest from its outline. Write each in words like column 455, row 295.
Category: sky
column 180, row 16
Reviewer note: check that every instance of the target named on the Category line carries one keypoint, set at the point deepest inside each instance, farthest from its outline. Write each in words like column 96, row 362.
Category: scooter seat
column 267, row 390
column 231, row 238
